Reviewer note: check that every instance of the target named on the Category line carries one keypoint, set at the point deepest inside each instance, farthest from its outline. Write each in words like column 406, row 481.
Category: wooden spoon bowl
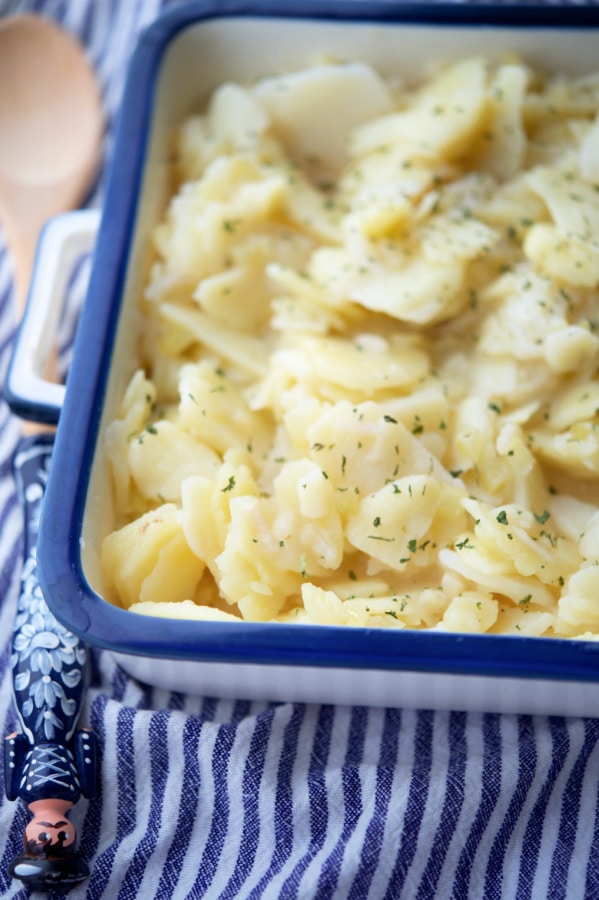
column 51, row 125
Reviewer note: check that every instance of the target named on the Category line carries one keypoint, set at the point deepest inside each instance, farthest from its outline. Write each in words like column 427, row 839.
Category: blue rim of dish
column 67, row 592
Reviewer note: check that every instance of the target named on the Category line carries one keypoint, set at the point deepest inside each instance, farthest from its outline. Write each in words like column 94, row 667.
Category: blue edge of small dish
column 64, row 584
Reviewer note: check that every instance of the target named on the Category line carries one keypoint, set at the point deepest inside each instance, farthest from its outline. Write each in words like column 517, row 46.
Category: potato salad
column 368, row 389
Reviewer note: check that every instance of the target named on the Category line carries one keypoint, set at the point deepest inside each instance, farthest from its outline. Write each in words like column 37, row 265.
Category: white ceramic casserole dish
column 178, row 63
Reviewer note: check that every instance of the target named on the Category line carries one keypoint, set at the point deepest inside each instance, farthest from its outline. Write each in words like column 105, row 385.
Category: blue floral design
column 47, row 660
column 47, row 645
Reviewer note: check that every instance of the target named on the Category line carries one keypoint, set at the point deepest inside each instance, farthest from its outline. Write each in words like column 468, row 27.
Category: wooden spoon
column 51, row 126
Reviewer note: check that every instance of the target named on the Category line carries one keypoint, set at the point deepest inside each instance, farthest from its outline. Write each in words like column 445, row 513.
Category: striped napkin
column 200, row 797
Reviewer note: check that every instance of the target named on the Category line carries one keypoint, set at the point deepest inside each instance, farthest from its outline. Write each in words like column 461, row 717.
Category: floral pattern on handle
column 50, row 763
column 48, row 663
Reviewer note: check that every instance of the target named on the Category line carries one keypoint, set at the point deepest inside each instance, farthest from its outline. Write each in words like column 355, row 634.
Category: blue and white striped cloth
column 220, row 799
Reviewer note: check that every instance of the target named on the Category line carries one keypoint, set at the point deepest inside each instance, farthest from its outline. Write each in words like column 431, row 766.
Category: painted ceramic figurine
column 49, row 763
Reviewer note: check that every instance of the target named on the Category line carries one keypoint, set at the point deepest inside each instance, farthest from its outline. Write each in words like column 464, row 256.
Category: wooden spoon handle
column 48, row 763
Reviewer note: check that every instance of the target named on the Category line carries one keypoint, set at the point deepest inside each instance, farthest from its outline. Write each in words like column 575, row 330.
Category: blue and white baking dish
column 181, row 58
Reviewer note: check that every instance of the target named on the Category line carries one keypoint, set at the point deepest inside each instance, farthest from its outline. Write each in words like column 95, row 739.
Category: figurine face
column 49, row 829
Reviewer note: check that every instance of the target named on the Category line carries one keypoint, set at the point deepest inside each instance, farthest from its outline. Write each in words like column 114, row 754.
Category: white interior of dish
column 240, row 49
